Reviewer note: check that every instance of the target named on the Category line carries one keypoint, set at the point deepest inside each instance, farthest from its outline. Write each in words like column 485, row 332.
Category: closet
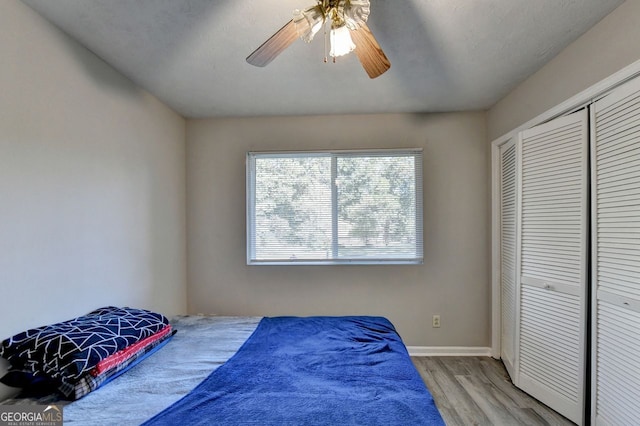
column 551, row 263
column 569, row 275
column 508, row 253
column 616, row 257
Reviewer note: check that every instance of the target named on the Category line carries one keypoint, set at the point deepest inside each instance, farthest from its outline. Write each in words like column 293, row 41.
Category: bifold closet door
column 508, row 298
column 616, row 257
column 552, row 263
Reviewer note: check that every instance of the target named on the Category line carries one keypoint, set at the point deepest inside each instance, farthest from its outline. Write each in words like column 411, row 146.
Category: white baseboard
column 449, row 351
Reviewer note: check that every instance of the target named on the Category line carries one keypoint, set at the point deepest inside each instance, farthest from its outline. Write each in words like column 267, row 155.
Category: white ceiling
column 446, row 55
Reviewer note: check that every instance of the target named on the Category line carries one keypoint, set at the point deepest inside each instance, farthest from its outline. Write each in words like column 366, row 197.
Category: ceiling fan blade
column 371, row 56
column 276, row 44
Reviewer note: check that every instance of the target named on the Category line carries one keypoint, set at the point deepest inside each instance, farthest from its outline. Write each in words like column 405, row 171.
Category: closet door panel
column 618, row 369
column 616, row 257
column 508, row 295
column 552, row 263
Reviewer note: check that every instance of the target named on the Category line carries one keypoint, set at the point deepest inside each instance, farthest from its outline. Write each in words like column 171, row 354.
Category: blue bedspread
column 312, row 371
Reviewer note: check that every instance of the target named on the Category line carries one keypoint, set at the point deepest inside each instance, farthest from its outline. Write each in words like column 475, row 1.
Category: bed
column 300, row 370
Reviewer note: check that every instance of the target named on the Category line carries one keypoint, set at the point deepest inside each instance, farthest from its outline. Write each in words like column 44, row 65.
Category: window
column 334, row 207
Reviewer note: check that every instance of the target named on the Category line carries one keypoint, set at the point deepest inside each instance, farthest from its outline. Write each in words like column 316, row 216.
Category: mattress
column 358, row 365
column 347, row 370
column 201, row 345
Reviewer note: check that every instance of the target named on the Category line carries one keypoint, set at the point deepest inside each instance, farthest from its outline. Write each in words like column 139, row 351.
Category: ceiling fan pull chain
column 325, row 42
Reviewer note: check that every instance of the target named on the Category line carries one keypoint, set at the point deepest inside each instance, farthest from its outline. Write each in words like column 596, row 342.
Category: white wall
column 606, row 48
column 92, row 183
column 454, row 280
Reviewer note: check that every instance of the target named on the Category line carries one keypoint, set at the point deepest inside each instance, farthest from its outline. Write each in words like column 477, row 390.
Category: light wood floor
column 478, row 391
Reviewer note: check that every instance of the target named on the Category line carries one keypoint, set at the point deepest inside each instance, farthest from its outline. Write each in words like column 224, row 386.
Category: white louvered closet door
column 616, row 257
column 508, row 298
column 552, row 263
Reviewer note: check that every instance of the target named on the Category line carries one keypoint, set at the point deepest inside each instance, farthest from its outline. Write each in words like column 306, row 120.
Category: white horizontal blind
column 508, row 252
column 552, row 263
column 616, row 257
column 334, row 207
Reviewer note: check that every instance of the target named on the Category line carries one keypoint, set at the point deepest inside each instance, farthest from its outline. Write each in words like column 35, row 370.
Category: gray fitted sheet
column 202, row 344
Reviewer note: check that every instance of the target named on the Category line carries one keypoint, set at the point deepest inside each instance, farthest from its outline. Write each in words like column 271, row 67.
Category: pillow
column 66, row 351
column 107, row 370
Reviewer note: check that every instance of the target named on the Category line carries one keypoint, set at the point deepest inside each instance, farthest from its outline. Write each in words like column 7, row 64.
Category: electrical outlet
column 436, row 321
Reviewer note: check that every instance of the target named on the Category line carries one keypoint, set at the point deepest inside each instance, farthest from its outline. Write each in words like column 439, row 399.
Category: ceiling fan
column 348, row 32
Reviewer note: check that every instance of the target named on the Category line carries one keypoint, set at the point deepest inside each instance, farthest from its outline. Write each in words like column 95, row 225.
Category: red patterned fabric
column 126, row 353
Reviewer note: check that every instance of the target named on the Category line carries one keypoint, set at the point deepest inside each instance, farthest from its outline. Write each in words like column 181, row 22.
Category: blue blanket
column 312, row 371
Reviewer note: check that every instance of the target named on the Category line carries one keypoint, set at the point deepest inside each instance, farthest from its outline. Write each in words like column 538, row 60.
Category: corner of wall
column 606, row 48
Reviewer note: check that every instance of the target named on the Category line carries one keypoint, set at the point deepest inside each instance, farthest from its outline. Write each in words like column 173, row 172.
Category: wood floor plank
column 446, row 408
column 468, row 413
column 485, row 397
column 497, row 375
column 479, row 391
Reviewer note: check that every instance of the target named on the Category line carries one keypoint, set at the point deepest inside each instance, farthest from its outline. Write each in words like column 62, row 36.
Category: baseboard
column 449, row 351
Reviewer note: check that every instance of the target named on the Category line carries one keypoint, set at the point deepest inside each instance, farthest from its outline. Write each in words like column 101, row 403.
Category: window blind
column 334, row 207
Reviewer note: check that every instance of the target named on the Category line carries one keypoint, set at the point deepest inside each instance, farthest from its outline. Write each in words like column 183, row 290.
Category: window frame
column 417, row 153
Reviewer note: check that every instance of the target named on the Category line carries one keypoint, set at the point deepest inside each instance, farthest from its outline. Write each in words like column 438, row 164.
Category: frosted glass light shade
column 341, row 42
column 308, row 22
column 356, row 13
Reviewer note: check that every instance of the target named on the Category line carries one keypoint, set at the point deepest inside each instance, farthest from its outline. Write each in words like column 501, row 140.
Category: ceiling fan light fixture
column 341, row 41
column 349, row 32
column 308, row 22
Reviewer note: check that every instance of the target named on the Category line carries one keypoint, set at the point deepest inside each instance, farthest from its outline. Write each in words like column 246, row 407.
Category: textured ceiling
column 446, row 55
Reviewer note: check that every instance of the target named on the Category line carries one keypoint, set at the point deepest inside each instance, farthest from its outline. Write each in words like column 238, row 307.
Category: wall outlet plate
column 436, row 321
